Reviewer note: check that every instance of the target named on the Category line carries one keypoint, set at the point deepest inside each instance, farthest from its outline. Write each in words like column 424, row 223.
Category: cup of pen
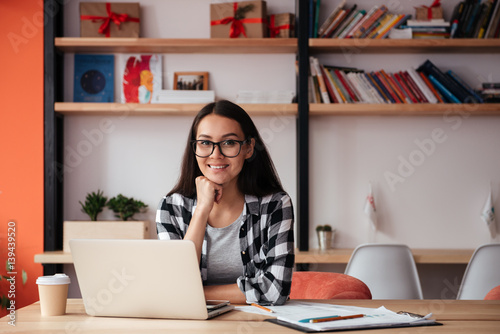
column 53, row 292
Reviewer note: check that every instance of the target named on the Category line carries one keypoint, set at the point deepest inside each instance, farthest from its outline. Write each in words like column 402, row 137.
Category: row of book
column 476, row 19
column 351, row 22
column 426, row 84
column 490, row 92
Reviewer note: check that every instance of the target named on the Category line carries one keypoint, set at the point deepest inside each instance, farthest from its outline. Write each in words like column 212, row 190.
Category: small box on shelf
column 238, row 19
column 104, row 19
column 281, row 25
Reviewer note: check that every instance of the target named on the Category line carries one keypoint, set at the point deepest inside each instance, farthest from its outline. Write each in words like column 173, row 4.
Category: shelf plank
column 418, row 109
column 181, row 109
column 54, row 257
column 364, row 45
column 421, row 256
column 177, row 45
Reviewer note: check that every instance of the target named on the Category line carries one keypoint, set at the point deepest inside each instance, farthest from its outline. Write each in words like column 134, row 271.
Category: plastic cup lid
column 56, row 279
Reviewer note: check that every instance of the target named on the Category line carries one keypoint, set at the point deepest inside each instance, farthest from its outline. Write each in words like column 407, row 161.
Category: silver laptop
column 142, row 278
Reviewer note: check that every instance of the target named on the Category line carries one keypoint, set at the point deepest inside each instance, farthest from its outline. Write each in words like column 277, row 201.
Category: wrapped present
column 281, row 25
column 104, row 19
column 425, row 13
column 238, row 19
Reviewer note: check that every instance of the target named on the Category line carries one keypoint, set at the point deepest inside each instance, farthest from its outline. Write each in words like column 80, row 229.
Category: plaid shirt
column 266, row 243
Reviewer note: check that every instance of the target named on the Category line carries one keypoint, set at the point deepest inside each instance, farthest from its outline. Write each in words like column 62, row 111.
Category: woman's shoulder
column 264, row 203
column 177, row 199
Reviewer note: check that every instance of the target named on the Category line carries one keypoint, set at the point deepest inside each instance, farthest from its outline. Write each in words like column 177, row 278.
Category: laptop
column 142, row 278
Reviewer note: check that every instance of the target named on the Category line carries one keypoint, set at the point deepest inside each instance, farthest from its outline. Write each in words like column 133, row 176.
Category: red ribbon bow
column 116, row 18
column 274, row 31
column 237, row 27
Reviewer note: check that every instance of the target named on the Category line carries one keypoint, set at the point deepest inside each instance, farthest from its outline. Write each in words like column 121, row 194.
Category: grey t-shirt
column 224, row 259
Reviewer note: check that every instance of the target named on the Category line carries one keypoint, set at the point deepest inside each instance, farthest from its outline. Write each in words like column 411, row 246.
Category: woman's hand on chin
column 207, row 192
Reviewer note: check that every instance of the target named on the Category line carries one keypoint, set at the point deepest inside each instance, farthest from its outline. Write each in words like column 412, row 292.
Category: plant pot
column 325, row 239
column 103, row 230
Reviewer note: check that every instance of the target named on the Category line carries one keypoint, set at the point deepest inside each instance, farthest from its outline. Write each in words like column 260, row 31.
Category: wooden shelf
column 363, row 45
column 421, row 256
column 417, row 109
column 54, row 257
column 189, row 45
column 337, row 255
column 136, row 109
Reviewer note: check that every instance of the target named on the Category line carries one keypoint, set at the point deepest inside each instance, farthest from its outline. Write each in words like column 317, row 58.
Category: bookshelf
column 302, row 46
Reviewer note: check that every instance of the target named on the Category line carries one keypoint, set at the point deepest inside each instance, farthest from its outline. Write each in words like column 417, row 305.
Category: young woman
column 229, row 201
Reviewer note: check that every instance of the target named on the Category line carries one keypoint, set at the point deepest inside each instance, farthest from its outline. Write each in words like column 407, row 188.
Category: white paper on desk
column 293, row 311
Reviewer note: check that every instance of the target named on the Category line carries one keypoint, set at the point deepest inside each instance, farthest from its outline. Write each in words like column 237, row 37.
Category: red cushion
column 494, row 293
column 326, row 285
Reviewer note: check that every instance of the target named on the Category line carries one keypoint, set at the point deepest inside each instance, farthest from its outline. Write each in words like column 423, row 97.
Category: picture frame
column 191, row 81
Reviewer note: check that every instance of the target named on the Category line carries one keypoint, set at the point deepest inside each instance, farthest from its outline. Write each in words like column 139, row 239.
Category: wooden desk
column 458, row 316
column 342, row 256
column 337, row 255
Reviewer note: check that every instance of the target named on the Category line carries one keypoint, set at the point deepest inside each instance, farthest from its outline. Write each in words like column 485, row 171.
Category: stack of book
column 476, row 19
column 426, row 84
column 185, row 96
column 437, row 28
column 350, row 22
column 490, row 92
column 273, row 96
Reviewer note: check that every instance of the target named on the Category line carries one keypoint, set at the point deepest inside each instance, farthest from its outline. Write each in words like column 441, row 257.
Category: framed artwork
column 191, row 81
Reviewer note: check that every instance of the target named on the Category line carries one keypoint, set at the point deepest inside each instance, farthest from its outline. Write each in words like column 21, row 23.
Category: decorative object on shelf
column 94, row 204
column 140, row 77
column 281, row 25
column 104, row 19
column 370, row 209
column 238, row 19
column 427, row 13
column 94, row 78
column 186, row 96
column 191, row 81
column 325, row 236
column 488, row 215
column 125, row 207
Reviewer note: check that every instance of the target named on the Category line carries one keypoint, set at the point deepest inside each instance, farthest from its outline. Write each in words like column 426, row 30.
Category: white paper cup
column 53, row 292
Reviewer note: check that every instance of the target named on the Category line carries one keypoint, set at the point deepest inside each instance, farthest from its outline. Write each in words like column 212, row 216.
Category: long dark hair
column 258, row 176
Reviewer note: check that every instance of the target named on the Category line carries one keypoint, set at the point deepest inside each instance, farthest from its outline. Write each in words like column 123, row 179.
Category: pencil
column 262, row 307
column 337, row 318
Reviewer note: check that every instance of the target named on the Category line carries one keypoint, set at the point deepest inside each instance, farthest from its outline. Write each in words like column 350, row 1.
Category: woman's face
column 216, row 167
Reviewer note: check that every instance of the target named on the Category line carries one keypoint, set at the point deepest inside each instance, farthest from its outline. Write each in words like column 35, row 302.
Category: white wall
column 437, row 206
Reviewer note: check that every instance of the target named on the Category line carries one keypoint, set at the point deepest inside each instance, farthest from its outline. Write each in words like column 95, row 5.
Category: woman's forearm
column 229, row 292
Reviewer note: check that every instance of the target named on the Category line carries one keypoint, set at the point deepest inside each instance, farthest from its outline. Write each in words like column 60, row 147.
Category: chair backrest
column 327, row 285
column 482, row 273
column 388, row 270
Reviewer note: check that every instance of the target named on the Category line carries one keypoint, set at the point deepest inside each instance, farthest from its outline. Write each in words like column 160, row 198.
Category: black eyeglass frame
column 193, row 146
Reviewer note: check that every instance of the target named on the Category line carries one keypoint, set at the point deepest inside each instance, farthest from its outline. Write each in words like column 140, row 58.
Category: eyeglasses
column 229, row 148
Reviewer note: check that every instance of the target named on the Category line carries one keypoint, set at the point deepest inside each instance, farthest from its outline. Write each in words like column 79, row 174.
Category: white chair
column 482, row 273
column 388, row 270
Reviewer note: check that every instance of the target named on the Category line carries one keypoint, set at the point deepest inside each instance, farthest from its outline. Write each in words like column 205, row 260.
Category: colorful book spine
column 358, row 17
column 407, row 89
column 418, row 93
column 332, row 90
column 431, row 87
column 370, row 21
column 362, row 21
column 444, row 90
column 423, row 87
column 321, row 81
column 468, row 88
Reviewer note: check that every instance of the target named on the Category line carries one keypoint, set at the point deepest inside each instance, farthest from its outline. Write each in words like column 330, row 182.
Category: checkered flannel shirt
column 266, row 243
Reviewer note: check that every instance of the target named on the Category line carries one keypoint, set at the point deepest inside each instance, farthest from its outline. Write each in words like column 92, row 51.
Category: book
column 494, row 21
column 460, row 93
column 248, row 96
column 491, row 4
column 362, row 21
column 422, row 86
column 465, row 86
column 335, row 23
column 431, row 87
column 332, row 90
column 384, row 32
column 330, row 18
column 370, row 21
column 407, row 89
column 94, row 78
column 449, row 95
column 190, row 96
column 321, row 81
column 416, row 91
column 358, row 17
column 347, row 20
column 140, row 77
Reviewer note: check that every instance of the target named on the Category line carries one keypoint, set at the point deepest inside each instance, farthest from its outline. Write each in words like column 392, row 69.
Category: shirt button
column 243, row 252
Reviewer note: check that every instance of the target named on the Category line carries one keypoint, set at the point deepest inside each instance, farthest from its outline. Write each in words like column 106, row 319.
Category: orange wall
column 21, row 142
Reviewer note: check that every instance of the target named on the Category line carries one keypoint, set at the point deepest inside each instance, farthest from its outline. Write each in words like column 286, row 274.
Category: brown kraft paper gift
column 104, row 19
column 238, row 19
column 281, row 25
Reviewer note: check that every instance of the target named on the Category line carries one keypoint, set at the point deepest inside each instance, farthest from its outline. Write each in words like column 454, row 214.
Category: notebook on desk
column 142, row 278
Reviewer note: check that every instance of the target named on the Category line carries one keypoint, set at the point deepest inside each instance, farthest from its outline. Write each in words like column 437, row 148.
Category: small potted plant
column 325, row 236
column 123, row 207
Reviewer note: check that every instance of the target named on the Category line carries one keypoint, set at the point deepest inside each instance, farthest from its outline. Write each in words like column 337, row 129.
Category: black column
column 53, row 133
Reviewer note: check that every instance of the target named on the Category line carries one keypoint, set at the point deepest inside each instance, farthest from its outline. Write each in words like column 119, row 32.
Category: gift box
column 425, row 13
column 281, row 25
column 238, row 19
column 104, row 19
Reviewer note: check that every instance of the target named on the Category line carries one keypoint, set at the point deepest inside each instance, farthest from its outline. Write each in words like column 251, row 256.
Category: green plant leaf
column 124, row 207
column 24, row 275
column 94, row 203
